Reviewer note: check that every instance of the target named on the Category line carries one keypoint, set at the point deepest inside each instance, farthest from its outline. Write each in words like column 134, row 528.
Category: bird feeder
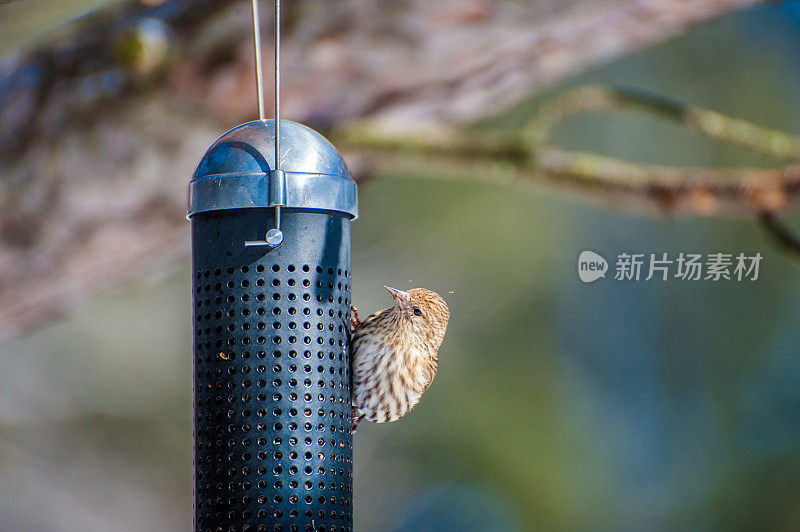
column 271, row 273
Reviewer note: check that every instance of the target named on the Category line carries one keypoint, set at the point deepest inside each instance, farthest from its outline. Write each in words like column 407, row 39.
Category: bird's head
column 422, row 313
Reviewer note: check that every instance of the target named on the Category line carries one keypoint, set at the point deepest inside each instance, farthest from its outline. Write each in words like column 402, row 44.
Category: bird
column 395, row 354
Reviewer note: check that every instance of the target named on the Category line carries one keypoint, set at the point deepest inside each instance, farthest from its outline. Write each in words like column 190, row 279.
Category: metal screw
column 274, row 237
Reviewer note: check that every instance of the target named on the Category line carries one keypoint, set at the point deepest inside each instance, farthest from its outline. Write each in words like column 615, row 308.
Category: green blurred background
column 558, row 405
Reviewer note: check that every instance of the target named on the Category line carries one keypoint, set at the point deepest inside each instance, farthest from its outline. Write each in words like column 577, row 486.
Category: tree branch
column 783, row 236
column 100, row 129
column 670, row 190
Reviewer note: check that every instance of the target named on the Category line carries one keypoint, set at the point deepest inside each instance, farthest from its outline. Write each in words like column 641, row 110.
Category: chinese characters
column 687, row 267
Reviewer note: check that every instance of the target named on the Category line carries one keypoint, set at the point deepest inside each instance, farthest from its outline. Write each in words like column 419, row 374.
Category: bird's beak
column 398, row 295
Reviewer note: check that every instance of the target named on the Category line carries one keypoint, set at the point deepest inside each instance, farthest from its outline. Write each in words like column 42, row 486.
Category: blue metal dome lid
column 235, row 171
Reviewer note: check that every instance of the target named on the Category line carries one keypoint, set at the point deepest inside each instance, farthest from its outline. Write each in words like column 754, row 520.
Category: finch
column 395, row 354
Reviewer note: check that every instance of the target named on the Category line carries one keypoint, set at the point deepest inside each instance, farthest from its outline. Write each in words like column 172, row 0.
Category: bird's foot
column 355, row 320
column 355, row 420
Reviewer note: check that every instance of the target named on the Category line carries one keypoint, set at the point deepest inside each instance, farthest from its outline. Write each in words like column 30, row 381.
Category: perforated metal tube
column 273, row 448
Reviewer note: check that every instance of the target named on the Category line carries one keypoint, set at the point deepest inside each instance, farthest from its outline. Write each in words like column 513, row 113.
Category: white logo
column 591, row 266
column 652, row 267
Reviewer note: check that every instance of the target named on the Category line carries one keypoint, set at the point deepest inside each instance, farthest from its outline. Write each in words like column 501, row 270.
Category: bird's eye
column 417, row 311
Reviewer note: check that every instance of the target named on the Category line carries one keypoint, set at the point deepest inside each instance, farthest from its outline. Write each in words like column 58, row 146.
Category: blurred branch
column 101, row 127
column 668, row 189
column 708, row 123
column 783, row 236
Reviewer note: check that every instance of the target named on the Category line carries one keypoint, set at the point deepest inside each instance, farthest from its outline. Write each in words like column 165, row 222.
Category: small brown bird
column 395, row 354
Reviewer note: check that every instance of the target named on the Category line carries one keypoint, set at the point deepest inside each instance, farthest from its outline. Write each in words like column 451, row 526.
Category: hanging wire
column 257, row 46
column 277, row 79
column 274, row 236
column 277, row 99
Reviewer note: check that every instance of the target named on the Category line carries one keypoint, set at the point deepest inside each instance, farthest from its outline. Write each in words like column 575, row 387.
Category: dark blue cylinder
column 273, row 448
